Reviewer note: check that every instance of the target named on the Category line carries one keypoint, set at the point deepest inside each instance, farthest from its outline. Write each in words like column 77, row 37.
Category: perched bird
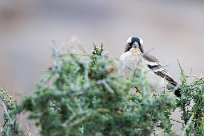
column 156, row 75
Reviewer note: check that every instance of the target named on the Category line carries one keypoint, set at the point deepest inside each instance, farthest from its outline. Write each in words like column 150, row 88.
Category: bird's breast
column 129, row 60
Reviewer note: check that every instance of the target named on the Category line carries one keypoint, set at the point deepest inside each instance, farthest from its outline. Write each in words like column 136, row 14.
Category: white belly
column 129, row 63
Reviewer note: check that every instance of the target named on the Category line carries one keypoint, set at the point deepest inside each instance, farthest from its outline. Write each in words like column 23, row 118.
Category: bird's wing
column 154, row 65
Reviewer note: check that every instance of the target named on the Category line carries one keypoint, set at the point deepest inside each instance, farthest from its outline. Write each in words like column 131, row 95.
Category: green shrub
column 85, row 95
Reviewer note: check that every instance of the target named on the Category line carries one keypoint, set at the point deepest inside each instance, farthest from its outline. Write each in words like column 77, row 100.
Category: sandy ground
column 174, row 29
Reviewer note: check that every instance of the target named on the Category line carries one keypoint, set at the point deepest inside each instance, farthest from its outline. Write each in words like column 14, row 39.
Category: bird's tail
column 177, row 92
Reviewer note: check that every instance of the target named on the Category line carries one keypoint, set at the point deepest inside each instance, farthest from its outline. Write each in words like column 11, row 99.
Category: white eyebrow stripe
column 129, row 40
column 141, row 41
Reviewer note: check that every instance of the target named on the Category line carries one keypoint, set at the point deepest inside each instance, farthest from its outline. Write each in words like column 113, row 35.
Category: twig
column 187, row 125
column 153, row 128
column 107, row 86
column 28, row 128
column 79, row 91
column 20, row 120
column 176, row 121
column 7, row 114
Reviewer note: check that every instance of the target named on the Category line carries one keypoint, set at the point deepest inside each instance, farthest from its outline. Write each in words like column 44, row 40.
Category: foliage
column 191, row 104
column 85, row 95
column 10, row 126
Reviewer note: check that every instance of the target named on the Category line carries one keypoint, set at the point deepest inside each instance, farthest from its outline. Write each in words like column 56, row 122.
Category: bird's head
column 134, row 42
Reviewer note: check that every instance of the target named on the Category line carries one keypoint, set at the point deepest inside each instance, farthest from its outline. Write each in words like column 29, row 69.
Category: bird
column 156, row 75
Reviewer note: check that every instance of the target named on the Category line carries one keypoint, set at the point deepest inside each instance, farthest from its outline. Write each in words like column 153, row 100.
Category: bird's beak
column 135, row 45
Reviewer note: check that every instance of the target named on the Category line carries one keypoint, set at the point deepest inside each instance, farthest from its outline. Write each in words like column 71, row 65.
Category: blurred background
column 174, row 29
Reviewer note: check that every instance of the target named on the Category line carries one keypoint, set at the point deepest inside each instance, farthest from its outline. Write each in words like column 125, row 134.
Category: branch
column 7, row 114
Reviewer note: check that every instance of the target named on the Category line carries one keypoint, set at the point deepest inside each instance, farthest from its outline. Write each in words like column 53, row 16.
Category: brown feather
column 167, row 77
column 150, row 58
column 162, row 73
